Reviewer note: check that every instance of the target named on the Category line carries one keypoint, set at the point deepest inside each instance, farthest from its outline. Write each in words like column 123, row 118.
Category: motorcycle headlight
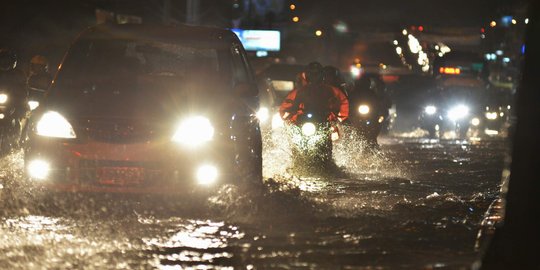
column 430, row 110
column 263, row 114
column 194, row 131
column 491, row 115
column 363, row 109
column 3, row 98
column 309, row 129
column 458, row 112
column 53, row 124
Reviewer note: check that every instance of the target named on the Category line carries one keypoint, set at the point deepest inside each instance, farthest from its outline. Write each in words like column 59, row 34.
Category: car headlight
column 33, row 104
column 430, row 110
column 363, row 109
column 458, row 112
column 491, row 115
column 194, row 131
column 3, row 98
column 263, row 114
column 53, row 124
column 309, row 129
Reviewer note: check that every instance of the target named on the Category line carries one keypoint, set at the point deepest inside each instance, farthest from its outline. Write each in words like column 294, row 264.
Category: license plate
column 120, row 176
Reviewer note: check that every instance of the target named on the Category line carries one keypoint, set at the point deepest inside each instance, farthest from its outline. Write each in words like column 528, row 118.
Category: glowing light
column 491, row 132
column 430, row 110
column 53, row 124
column 295, row 19
column 420, row 28
column 450, row 70
column 475, row 122
column 355, row 71
column 277, row 122
column 399, row 50
column 404, row 32
column 493, row 23
column 38, row 169
column 363, row 109
column 292, row 6
column 263, row 114
column 194, row 131
column 458, row 112
column 207, row 174
column 318, row 33
column 526, row 20
column 3, row 98
column 514, row 21
column 32, row 104
column 309, row 129
column 396, row 42
column 491, row 115
column 2, row 116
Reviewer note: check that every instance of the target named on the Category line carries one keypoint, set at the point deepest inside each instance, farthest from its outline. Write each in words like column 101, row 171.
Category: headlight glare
column 458, row 112
column 309, row 129
column 3, row 98
column 363, row 109
column 32, row 104
column 430, row 110
column 491, row 115
column 194, row 131
column 53, row 124
column 263, row 114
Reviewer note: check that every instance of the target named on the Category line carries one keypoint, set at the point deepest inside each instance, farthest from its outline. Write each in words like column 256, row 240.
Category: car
column 456, row 104
column 147, row 109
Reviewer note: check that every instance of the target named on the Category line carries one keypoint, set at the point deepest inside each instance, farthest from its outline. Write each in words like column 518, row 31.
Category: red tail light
column 450, row 70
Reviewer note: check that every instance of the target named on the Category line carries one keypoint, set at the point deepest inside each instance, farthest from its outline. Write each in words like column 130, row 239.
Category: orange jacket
column 318, row 97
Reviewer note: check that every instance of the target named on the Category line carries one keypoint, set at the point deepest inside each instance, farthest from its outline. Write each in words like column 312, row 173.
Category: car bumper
column 153, row 167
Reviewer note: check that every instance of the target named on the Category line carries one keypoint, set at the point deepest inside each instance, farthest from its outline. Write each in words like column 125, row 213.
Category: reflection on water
column 416, row 204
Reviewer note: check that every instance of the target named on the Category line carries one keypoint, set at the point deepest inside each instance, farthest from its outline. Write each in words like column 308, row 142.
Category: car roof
column 162, row 33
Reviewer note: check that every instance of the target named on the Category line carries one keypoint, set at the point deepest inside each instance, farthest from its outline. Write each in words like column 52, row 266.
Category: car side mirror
column 245, row 90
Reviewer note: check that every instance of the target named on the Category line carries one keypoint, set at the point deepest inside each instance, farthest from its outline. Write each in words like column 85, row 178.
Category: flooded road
column 416, row 204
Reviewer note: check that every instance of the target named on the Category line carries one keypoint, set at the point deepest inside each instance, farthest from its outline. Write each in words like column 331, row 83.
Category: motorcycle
column 312, row 135
column 12, row 117
column 367, row 118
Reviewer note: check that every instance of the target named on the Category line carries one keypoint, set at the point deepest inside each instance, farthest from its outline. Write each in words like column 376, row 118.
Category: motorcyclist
column 366, row 92
column 332, row 76
column 13, row 95
column 315, row 96
column 39, row 76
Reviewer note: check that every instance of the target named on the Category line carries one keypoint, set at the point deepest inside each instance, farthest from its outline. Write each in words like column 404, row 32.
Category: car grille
column 117, row 131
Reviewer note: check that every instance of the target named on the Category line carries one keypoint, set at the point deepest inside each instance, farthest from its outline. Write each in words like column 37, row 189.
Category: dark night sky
column 49, row 25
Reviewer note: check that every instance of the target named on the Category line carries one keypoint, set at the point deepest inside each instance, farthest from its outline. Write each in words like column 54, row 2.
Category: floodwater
column 415, row 204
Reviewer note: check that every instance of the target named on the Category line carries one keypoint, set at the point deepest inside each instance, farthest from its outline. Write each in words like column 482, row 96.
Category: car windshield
column 95, row 65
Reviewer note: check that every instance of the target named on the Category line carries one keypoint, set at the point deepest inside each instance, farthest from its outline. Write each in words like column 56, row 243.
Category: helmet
column 332, row 76
column 8, row 60
column 314, row 72
column 39, row 63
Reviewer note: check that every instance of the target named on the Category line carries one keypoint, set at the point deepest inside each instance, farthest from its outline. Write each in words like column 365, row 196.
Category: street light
column 295, row 19
column 493, row 24
column 292, row 6
column 318, row 33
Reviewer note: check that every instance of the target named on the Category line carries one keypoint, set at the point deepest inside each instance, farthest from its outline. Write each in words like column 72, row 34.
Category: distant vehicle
column 369, row 108
column 456, row 104
column 275, row 82
column 142, row 109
